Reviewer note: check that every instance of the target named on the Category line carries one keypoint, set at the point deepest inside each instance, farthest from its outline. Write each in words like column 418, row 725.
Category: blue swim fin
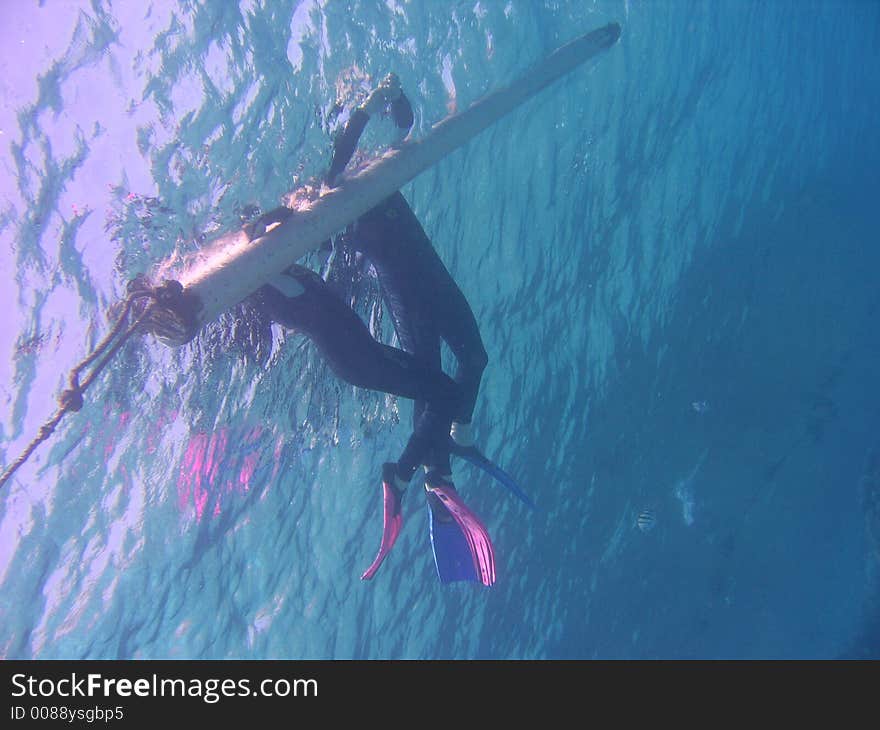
column 473, row 455
column 452, row 554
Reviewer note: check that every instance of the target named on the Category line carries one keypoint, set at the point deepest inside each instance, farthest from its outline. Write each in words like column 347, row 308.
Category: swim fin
column 392, row 519
column 476, row 537
column 452, row 553
column 475, row 457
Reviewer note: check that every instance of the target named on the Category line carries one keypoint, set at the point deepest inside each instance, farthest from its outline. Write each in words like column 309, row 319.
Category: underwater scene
column 671, row 254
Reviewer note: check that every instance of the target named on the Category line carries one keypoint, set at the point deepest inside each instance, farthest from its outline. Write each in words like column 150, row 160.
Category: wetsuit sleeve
column 346, row 143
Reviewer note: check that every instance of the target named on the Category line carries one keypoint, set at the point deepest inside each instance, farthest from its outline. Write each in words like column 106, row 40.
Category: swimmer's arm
column 387, row 94
column 346, row 144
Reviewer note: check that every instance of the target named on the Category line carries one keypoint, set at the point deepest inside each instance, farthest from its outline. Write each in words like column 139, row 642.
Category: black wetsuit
column 426, row 307
column 345, row 342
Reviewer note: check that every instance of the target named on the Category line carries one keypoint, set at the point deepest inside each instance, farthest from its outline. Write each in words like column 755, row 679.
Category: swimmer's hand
column 384, row 94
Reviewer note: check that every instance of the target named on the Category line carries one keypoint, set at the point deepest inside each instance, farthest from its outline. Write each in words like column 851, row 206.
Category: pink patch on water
column 113, row 432
column 191, row 468
column 220, row 467
column 247, row 470
column 200, row 498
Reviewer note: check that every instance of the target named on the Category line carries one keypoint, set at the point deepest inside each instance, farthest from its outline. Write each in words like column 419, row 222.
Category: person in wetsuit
column 426, row 307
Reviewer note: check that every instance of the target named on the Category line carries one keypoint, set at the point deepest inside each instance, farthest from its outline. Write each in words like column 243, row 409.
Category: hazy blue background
column 672, row 255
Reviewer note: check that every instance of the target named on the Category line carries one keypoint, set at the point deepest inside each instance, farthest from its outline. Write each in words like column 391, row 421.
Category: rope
column 71, row 400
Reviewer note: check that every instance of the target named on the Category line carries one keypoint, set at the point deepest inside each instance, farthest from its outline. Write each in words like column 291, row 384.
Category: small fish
column 700, row 406
column 646, row 520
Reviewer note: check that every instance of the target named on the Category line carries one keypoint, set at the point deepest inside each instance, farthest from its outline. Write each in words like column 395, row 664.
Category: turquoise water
column 672, row 256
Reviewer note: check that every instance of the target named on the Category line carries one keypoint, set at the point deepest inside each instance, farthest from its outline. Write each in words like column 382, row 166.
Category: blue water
column 672, row 256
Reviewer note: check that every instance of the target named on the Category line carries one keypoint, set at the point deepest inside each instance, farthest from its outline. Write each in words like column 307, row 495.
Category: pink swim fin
column 392, row 519
column 482, row 552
